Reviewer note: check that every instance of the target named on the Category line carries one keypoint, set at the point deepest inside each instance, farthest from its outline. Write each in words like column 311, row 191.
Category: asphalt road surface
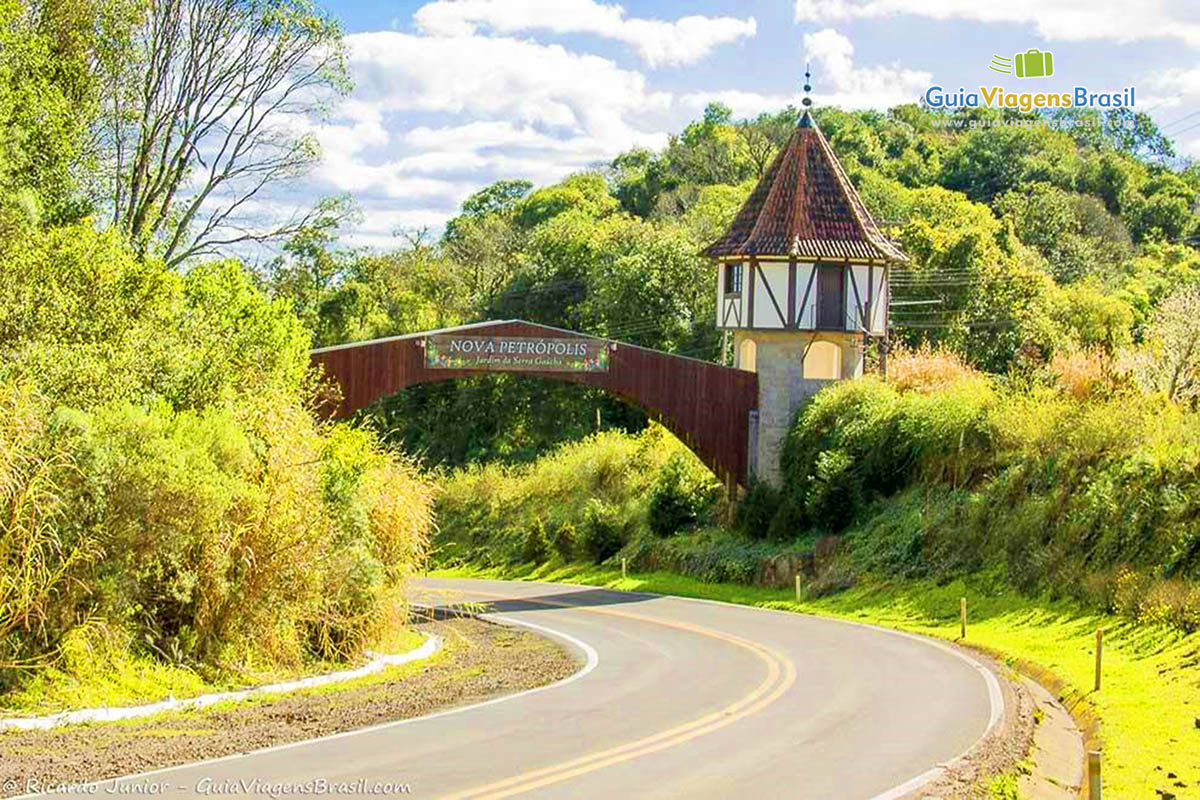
column 674, row 699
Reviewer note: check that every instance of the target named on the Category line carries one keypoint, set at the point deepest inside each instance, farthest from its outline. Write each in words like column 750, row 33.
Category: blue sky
column 453, row 94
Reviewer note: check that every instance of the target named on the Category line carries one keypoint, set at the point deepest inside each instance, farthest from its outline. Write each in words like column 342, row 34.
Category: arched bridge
column 708, row 406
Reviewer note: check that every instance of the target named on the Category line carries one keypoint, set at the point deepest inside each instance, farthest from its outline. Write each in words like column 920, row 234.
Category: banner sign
column 529, row 353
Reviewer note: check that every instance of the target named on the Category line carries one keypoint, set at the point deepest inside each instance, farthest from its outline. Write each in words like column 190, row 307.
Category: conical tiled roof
column 805, row 206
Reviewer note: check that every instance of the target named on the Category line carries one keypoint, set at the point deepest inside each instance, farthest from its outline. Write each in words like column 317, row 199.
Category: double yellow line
column 781, row 674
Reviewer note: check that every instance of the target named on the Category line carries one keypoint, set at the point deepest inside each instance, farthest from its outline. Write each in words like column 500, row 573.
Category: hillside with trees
column 172, row 510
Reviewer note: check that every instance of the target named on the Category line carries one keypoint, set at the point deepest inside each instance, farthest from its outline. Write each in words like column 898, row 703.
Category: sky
column 450, row 95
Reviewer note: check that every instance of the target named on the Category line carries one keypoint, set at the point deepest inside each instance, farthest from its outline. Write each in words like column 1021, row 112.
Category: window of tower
column 823, row 361
column 747, row 355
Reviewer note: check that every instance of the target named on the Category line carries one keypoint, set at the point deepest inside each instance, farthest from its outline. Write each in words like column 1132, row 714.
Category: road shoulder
column 479, row 660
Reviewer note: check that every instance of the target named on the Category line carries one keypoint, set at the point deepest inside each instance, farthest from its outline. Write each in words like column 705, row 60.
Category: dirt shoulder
column 478, row 660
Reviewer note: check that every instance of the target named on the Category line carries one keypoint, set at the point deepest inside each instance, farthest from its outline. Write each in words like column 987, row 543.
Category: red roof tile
column 805, row 206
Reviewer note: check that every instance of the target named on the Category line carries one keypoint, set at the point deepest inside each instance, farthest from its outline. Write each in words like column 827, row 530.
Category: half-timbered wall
column 732, row 306
column 782, row 295
column 770, row 295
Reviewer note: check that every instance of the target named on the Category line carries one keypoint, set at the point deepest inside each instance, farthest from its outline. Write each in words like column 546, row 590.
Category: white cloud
column 500, row 77
column 743, row 104
column 433, row 119
column 659, row 42
column 1176, row 107
column 1071, row 20
column 837, row 81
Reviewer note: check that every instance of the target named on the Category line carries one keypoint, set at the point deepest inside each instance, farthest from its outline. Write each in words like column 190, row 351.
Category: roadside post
column 797, row 587
column 1099, row 654
column 624, row 568
column 1093, row 764
column 962, row 617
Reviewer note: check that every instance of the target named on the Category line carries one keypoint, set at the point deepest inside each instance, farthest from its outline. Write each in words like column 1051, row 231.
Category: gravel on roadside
column 479, row 660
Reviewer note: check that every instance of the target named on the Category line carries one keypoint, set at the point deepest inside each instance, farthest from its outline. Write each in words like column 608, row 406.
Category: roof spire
column 807, row 121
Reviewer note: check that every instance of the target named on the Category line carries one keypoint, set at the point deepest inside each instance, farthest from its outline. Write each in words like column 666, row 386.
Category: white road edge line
column 114, row 714
column 593, row 660
column 995, row 696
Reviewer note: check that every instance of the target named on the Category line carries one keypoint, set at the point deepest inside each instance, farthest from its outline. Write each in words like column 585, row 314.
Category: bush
column 682, row 494
column 484, row 510
column 859, row 441
column 535, row 549
column 564, row 540
column 603, row 531
column 756, row 510
column 162, row 475
column 926, row 369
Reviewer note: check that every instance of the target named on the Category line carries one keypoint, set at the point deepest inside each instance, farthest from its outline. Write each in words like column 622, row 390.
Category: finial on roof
column 807, row 121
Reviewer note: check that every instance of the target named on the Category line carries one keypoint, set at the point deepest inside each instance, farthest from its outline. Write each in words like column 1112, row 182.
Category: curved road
column 677, row 699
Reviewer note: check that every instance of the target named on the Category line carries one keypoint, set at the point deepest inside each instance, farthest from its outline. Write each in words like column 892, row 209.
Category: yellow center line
column 781, row 674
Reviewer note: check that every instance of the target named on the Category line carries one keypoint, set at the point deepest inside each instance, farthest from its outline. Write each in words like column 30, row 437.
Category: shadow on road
column 446, row 604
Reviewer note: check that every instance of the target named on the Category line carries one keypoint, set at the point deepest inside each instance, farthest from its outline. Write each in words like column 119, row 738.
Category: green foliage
column 713, row 556
column 682, row 494
column 162, row 474
column 536, row 548
column 1092, row 318
column 1074, row 233
column 585, row 194
column 603, row 531
column 757, row 509
column 48, row 100
column 91, row 324
column 1049, row 491
column 564, row 540
column 484, row 509
column 860, row 440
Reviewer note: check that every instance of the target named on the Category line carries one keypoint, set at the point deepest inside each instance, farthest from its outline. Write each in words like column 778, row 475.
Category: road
column 675, row 699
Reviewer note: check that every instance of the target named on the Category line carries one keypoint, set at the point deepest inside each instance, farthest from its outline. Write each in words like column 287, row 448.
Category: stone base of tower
column 779, row 358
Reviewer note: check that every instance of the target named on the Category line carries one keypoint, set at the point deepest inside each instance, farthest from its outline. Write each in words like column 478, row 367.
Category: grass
column 1148, row 704
column 115, row 678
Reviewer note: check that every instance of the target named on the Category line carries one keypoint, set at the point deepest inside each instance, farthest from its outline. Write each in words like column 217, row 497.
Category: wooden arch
column 706, row 405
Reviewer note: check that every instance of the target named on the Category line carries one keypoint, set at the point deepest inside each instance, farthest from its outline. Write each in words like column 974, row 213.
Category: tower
column 802, row 284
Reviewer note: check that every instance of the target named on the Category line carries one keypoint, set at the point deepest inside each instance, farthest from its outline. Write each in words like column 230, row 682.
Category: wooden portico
column 706, row 405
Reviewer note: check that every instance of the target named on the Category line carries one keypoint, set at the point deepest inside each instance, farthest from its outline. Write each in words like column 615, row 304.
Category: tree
column 47, row 104
column 585, row 193
column 1074, row 233
column 1136, row 132
column 197, row 124
column 1171, row 361
column 765, row 135
column 484, row 240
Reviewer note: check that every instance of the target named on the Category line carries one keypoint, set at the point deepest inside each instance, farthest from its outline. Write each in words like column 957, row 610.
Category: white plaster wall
column 806, row 312
column 775, row 276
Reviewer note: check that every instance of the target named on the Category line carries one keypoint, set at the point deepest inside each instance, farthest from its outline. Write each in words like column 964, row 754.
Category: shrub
column 682, row 493
column 535, row 549
column 603, row 531
column 161, row 473
column 756, row 510
column 1082, row 373
column 479, row 504
column 926, row 369
column 564, row 540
